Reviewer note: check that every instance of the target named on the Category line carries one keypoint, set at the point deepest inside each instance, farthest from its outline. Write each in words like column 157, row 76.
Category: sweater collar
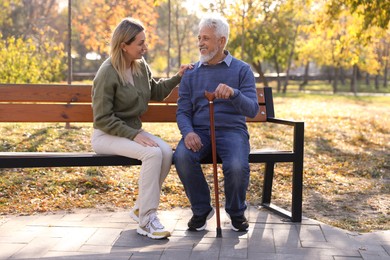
column 228, row 59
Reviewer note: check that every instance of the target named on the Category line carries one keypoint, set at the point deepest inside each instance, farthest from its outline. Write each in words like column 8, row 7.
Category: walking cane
column 210, row 97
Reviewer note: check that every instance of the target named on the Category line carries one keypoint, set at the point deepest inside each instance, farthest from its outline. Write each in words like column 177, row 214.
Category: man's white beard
column 207, row 57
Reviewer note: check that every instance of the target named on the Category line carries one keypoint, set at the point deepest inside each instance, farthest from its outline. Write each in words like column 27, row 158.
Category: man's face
column 209, row 44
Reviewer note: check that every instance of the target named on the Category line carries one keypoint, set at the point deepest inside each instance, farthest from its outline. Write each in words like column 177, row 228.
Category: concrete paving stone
column 382, row 236
column 288, row 238
column 332, row 233
column 386, row 248
column 144, row 256
column 204, row 254
column 38, row 247
column 104, row 236
column 262, row 256
column 121, row 216
column 180, row 245
column 96, row 249
column 316, row 244
column 175, row 254
column 19, row 236
column 261, row 241
column 96, row 224
column 89, row 256
column 373, row 252
column 74, row 217
column 317, row 251
column 9, row 249
column 47, row 220
column 237, row 248
column 74, row 240
column 346, row 258
column 53, row 254
column 310, row 233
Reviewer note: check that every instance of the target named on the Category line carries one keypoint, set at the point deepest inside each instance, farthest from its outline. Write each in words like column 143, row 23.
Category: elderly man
column 233, row 83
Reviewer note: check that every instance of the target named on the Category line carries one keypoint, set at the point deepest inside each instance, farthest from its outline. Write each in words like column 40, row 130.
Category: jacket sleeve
column 162, row 88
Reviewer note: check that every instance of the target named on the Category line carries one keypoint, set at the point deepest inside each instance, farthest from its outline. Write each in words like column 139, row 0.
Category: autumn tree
column 375, row 13
column 31, row 47
column 182, row 35
column 95, row 21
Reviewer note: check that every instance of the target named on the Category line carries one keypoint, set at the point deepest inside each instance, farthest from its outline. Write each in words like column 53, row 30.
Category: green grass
column 346, row 167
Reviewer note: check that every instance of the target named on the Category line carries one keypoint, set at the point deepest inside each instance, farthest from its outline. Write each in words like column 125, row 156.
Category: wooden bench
column 72, row 103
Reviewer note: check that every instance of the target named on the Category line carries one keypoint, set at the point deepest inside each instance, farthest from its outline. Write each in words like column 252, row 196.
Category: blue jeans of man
column 233, row 148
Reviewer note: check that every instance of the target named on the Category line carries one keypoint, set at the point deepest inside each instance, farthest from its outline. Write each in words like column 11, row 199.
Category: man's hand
column 223, row 91
column 193, row 142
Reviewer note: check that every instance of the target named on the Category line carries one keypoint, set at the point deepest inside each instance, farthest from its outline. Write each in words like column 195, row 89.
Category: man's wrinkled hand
column 193, row 142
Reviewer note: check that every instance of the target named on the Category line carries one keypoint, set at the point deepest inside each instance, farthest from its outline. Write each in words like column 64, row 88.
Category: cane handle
column 209, row 95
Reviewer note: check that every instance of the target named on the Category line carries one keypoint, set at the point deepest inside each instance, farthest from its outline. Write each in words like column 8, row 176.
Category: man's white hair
column 217, row 22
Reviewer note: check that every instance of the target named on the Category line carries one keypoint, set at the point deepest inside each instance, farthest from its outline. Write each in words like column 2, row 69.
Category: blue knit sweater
column 193, row 107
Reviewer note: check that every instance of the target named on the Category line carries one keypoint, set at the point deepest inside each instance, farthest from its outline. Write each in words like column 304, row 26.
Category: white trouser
column 156, row 163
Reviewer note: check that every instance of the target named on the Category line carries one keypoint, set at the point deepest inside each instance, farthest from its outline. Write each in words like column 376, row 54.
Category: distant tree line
column 341, row 40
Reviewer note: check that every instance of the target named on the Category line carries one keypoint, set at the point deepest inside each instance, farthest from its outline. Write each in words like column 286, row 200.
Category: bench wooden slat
column 65, row 93
column 53, row 113
column 45, row 93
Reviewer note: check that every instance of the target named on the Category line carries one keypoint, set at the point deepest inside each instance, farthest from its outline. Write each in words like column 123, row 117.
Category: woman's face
column 137, row 48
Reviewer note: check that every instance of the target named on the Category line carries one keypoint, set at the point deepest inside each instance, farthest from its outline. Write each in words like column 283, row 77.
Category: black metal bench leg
column 297, row 179
column 267, row 183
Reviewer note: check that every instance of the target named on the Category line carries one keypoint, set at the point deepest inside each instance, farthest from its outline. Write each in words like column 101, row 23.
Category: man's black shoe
column 198, row 223
column 239, row 223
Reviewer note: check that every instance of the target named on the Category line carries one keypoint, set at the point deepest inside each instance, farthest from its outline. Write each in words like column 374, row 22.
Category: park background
column 327, row 61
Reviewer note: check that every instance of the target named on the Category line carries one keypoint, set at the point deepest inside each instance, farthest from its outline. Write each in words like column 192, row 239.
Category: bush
column 22, row 61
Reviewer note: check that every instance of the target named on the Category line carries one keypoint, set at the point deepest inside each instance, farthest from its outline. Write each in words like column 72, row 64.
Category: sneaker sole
column 234, row 228
column 210, row 215
column 238, row 230
column 145, row 233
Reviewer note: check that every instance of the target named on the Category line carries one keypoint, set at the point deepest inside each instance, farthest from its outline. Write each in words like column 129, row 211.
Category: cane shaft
column 214, row 156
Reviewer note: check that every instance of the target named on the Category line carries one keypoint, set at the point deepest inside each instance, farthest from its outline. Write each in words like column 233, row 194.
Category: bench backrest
column 72, row 103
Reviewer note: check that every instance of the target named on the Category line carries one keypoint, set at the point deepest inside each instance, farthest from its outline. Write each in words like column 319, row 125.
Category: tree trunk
column 278, row 80
column 169, row 40
column 289, row 61
column 354, row 79
column 367, row 79
column 305, row 77
column 335, row 79
column 377, row 82
column 342, row 76
column 385, row 73
column 257, row 66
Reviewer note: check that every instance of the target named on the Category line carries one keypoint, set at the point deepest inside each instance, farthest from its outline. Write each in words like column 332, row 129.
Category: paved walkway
column 112, row 235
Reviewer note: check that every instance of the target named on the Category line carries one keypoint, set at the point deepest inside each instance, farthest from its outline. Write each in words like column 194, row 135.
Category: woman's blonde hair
column 125, row 32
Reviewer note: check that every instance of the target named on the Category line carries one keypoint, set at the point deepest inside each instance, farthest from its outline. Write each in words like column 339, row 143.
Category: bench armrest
column 283, row 121
column 299, row 129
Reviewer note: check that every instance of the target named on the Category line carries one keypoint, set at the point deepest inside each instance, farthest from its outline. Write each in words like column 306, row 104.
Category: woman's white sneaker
column 154, row 229
column 134, row 214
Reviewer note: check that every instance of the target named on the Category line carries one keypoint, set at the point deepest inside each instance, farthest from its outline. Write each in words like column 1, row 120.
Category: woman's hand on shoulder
column 185, row 67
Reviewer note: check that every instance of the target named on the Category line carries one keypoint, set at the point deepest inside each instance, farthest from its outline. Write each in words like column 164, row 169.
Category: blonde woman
column 121, row 91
